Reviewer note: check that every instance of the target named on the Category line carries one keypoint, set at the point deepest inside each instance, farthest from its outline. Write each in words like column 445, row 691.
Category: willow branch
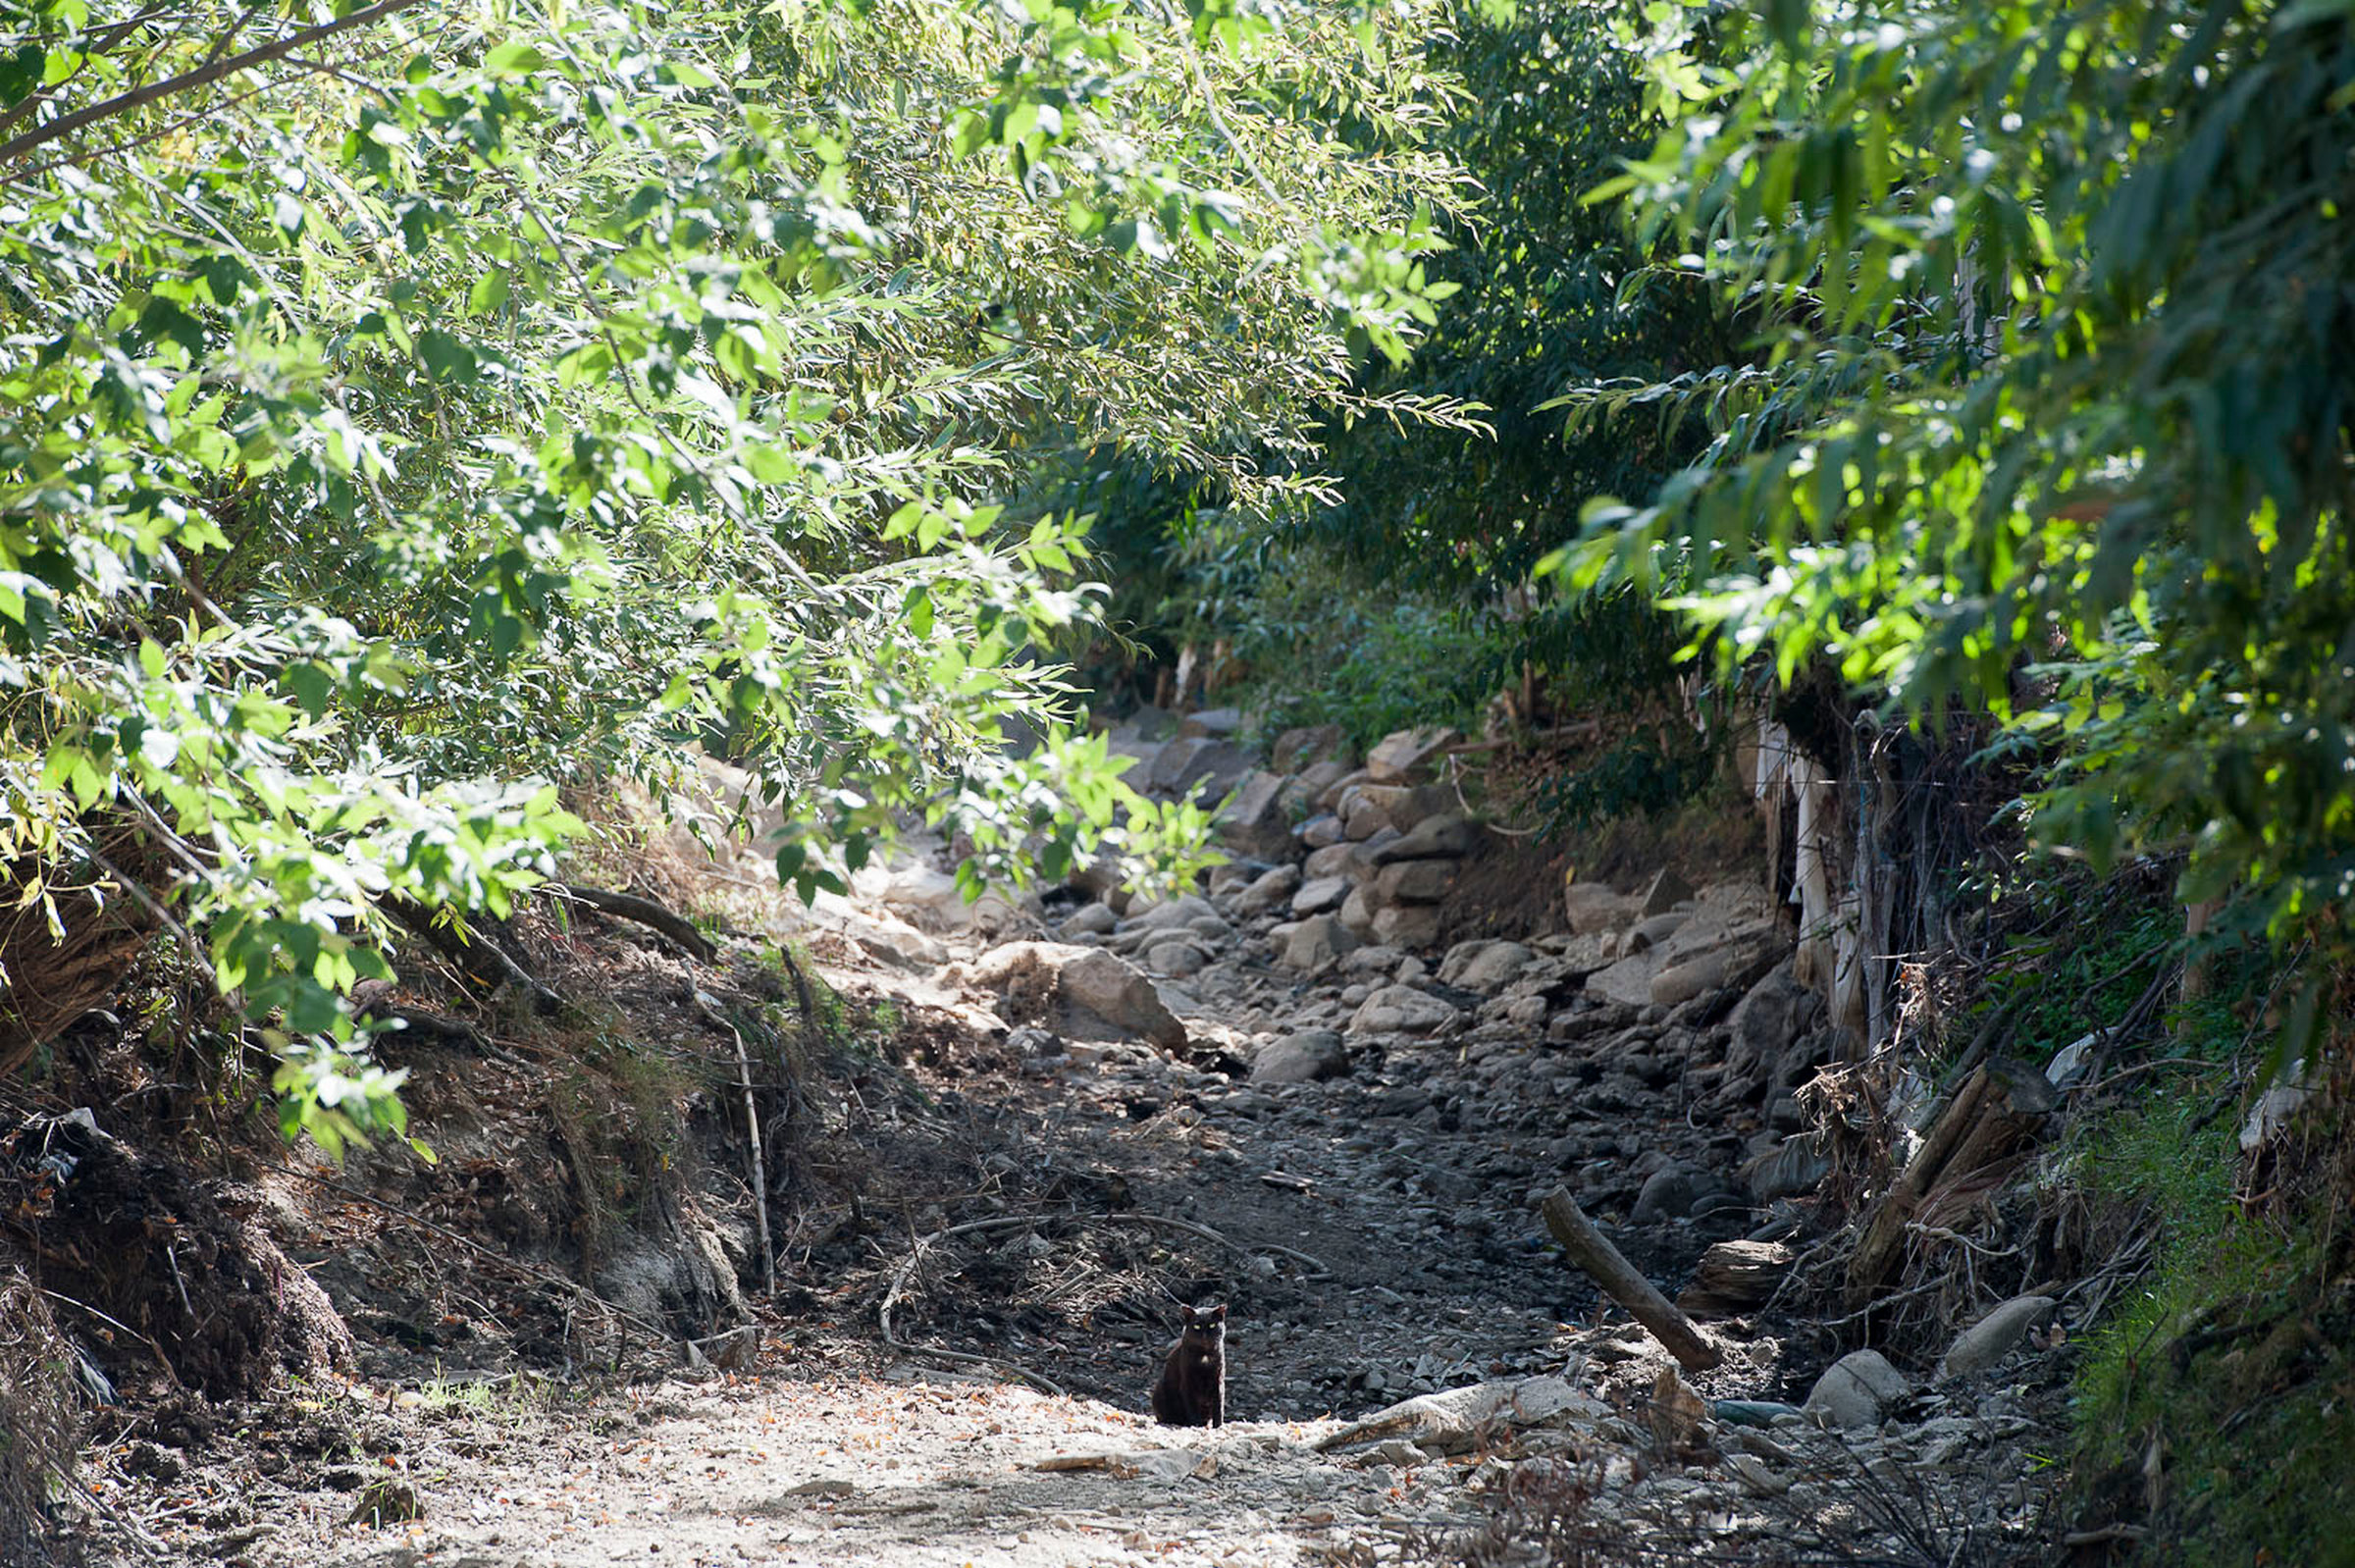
column 124, row 103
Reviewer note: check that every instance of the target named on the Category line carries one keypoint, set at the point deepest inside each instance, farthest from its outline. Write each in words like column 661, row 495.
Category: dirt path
column 1372, row 1230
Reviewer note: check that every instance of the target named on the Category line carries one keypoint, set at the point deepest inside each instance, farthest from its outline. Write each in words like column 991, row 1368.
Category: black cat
column 1192, row 1390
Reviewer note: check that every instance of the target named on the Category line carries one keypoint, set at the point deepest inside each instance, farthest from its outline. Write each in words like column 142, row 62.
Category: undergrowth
column 2214, row 1408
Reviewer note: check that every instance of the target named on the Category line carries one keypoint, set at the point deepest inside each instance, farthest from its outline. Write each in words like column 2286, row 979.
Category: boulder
column 1153, row 723
column 1177, row 957
column 1407, row 925
column 1681, row 983
column 1413, row 882
column 1200, row 765
column 1485, row 967
column 1300, row 795
column 1082, row 991
column 1448, row 837
column 1268, row 890
column 1302, row 1058
column 1219, row 723
column 1231, row 876
column 1856, row 1391
column 1330, row 800
column 1321, row 896
column 1770, row 1016
column 1295, row 748
column 1090, row 920
column 1591, row 907
column 1357, row 912
column 1410, row 805
column 1627, row 982
column 1405, row 756
column 1401, row 1010
column 1331, row 860
column 1362, row 815
column 1792, row 1168
column 1321, row 832
column 1168, row 915
column 1991, row 1339
column 1664, row 893
column 1653, row 929
column 1254, row 819
column 1318, row 943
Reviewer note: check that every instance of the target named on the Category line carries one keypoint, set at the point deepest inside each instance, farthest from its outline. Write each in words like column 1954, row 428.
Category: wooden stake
column 1593, row 1252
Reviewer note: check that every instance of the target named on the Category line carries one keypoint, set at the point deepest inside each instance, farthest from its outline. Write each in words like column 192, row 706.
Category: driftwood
column 2000, row 1107
column 1736, row 1275
column 1593, row 1252
column 644, row 911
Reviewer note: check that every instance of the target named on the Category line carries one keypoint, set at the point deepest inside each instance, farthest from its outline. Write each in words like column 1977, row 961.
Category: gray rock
column 1856, row 1391
column 1177, row 957
column 1373, row 960
column 1593, row 908
column 1321, row 832
column 1296, row 749
column 1270, row 889
column 1168, row 915
column 1653, row 929
column 1771, row 1015
column 1627, row 982
column 1407, row 925
column 1322, row 896
column 1362, row 815
column 1681, row 983
column 1413, row 882
column 1088, row 989
column 1485, row 967
column 1318, row 943
column 1667, row 1194
column 1405, row 756
column 1219, row 723
column 1300, row 796
column 1330, row 860
column 1357, row 912
column 1200, row 765
column 1152, row 723
column 1330, row 800
column 1254, row 819
column 1666, row 892
column 1302, row 1058
column 1991, row 1339
column 1448, row 837
column 1401, row 1010
column 1090, row 920
column 1792, row 1168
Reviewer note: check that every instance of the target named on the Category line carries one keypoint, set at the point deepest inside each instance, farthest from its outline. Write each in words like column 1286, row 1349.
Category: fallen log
column 644, row 911
column 1735, row 1275
column 1593, row 1253
column 2002, row 1106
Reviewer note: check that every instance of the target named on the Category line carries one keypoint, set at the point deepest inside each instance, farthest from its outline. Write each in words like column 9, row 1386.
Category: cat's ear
column 1218, row 1313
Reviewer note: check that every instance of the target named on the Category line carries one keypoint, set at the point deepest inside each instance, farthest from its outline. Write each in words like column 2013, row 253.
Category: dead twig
column 752, row 1130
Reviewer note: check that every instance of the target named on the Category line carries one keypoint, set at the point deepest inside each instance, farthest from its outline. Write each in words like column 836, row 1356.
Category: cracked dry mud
column 1373, row 1232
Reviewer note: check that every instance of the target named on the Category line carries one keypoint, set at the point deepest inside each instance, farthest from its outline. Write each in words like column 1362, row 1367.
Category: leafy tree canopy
column 408, row 407
column 2053, row 312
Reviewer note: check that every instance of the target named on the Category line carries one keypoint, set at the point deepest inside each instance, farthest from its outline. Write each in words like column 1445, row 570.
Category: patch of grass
column 2231, row 1359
